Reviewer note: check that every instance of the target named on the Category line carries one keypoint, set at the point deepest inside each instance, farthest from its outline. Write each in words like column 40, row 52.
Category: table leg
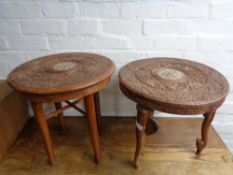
column 98, row 111
column 91, row 118
column 40, row 117
column 201, row 143
column 143, row 115
column 60, row 116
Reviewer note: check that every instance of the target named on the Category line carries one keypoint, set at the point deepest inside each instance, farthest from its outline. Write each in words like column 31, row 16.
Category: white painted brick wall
column 188, row 10
column 138, row 10
column 3, row 43
column 27, row 43
column 9, row 27
column 221, row 10
column 43, row 27
column 124, row 30
column 59, row 10
column 168, row 26
column 122, row 27
column 83, row 27
column 19, row 9
column 100, row 9
column 165, row 42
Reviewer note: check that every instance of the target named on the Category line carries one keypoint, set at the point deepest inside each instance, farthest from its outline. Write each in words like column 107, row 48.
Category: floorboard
column 169, row 151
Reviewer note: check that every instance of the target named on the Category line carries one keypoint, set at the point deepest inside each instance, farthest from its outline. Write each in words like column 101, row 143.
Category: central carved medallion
column 64, row 66
column 168, row 73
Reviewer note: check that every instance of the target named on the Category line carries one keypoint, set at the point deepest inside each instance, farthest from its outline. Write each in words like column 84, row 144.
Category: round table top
column 174, row 83
column 61, row 73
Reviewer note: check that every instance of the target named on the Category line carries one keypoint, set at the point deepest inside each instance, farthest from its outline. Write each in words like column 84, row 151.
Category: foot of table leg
column 98, row 111
column 40, row 117
column 143, row 115
column 91, row 118
column 60, row 117
column 201, row 143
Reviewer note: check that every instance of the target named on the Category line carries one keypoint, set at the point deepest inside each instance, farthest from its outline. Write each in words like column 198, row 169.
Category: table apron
column 51, row 98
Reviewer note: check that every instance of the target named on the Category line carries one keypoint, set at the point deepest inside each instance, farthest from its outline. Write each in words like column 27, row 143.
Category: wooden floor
column 170, row 151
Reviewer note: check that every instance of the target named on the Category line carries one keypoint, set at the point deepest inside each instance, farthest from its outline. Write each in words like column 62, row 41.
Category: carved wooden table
column 63, row 77
column 174, row 86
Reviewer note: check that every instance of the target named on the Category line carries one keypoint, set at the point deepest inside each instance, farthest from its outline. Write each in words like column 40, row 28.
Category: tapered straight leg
column 91, row 118
column 60, row 116
column 41, row 120
column 98, row 112
column 143, row 115
column 201, row 143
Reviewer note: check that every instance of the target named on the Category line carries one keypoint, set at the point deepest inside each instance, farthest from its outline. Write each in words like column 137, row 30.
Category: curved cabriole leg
column 201, row 143
column 143, row 115
column 91, row 118
column 98, row 111
column 60, row 117
column 40, row 117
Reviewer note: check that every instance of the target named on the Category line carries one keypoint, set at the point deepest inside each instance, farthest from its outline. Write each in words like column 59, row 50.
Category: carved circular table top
column 173, row 85
column 60, row 73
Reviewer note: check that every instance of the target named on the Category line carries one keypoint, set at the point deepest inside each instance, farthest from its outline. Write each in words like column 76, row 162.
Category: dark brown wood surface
column 60, row 73
column 174, row 85
column 13, row 116
column 169, row 151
